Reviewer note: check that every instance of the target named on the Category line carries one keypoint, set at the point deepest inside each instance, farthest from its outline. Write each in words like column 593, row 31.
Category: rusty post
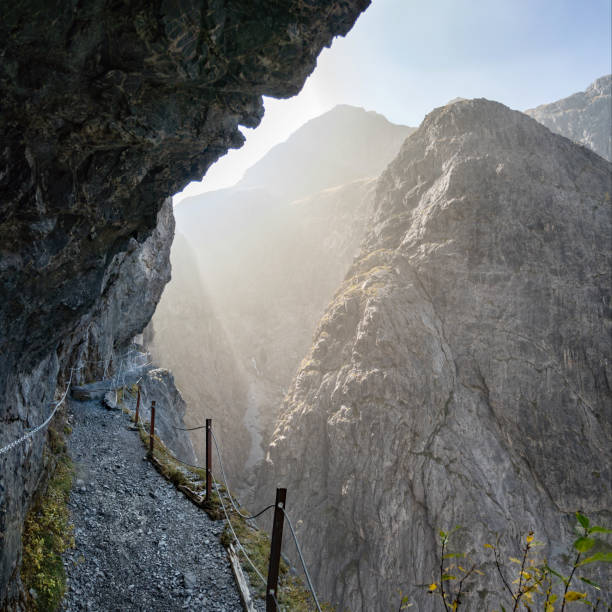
column 152, row 432
column 137, row 406
column 208, row 460
column 275, row 550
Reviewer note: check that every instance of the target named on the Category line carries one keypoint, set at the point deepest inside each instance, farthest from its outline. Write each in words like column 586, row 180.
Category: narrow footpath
column 140, row 543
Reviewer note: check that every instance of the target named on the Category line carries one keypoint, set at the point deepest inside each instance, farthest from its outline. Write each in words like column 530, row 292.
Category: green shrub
column 532, row 584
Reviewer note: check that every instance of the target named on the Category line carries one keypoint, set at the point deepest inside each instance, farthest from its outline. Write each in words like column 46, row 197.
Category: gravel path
column 140, row 544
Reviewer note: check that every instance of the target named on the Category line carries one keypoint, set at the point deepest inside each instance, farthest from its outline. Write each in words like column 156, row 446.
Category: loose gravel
column 140, row 544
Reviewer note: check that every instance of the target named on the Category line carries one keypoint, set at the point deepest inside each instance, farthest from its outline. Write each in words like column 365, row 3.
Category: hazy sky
column 404, row 58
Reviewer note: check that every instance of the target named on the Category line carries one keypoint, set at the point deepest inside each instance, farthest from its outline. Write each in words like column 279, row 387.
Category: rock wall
column 461, row 375
column 584, row 117
column 158, row 384
column 130, row 290
column 107, row 109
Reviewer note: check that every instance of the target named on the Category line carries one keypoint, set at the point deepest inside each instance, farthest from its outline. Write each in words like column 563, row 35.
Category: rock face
column 107, row 109
column 339, row 147
column 130, row 289
column 461, row 375
column 158, row 384
column 584, row 117
column 257, row 269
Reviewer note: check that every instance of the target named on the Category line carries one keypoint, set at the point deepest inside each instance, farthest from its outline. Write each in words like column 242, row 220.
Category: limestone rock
column 158, row 384
column 108, row 109
column 461, row 375
column 584, row 117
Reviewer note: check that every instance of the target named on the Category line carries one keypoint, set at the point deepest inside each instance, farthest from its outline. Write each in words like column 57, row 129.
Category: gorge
column 408, row 328
column 451, row 369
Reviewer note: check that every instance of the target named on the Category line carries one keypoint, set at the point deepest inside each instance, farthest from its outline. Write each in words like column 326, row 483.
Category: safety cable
column 244, row 516
column 30, row 433
column 297, row 545
column 236, row 537
column 189, row 428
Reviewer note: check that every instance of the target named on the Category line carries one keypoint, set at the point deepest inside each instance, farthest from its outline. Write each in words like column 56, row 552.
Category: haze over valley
column 306, row 305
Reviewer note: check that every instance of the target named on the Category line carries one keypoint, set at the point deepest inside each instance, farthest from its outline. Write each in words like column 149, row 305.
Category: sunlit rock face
column 255, row 268
column 584, row 117
column 461, row 375
column 107, row 109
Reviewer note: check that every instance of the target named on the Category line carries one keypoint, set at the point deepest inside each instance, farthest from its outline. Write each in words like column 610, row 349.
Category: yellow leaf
column 574, row 596
column 461, row 568
column 454, row 605
column 515, row 560
column 432, row 587
column 488, row 546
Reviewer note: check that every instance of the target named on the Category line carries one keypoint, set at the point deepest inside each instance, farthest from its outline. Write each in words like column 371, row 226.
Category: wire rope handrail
column 30, row 433
column 248, row 517
column 229, row 523
column 244, row 516
column 297, row 545
column 125, row 357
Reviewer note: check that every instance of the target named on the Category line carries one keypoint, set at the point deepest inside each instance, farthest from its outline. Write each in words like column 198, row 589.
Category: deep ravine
column 140, row 544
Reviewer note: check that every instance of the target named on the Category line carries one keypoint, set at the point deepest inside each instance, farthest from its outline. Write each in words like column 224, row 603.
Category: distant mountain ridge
column 584, row 117
column 345, row 144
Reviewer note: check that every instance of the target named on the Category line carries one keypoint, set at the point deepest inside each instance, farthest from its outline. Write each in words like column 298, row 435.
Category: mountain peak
column 344, row 144
column 585, row 117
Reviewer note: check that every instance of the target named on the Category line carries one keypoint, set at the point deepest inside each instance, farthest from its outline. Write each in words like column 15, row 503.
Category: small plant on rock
column 535, row 584
column 454, row 576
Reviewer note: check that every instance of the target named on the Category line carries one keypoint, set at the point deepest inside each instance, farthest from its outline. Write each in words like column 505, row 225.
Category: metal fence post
column 208, row 460
column 275, row 550
column 137, row 406
column 152, row 432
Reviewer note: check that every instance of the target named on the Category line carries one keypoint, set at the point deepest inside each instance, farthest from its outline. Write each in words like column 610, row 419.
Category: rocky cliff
column 461, row 375
column 106, row 109
column 258, row 267
column 584, row 117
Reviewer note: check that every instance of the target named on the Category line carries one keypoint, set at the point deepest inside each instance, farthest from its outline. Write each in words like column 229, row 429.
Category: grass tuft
column 47, row 530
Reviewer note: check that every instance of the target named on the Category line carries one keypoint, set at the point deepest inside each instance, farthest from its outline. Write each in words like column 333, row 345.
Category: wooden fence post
column 152, row 432
column 208, row 460
column 137, row 406
column 275, row 550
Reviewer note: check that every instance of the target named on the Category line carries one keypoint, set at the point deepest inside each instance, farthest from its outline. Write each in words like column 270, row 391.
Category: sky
column 403, row 58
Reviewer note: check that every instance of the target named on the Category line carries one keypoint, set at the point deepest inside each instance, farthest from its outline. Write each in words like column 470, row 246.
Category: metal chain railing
column 32, row 432
column 121, row 370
